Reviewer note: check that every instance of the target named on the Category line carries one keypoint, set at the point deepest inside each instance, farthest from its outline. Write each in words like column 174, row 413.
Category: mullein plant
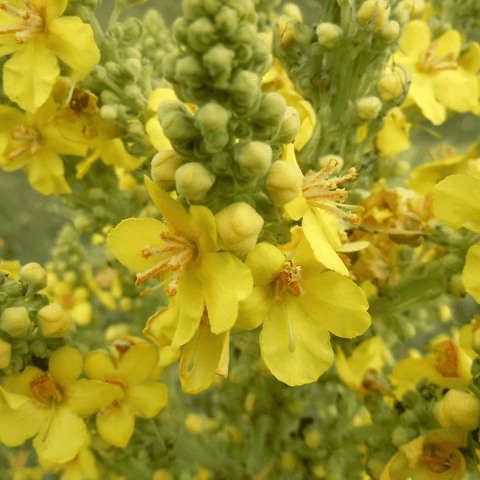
column 214, row 307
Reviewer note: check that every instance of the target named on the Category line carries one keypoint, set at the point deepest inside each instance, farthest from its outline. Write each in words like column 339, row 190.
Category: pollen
column 447, row 361
column 289, row 279
column 176, row 253
column 322, row 192
column 29, row 140
column 44, row 389
column 32, row 21
column 429, row 63
column 438, row 457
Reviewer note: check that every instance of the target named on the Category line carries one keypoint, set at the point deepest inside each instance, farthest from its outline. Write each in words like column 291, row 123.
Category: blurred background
column 29, row 221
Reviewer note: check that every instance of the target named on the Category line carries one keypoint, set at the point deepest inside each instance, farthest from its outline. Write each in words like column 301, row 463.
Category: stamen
column 156, row 287
column 322, row 192
column 33, row 22
column 43, row 388
column 29, row 140
column 289, row 279
column 431, row 64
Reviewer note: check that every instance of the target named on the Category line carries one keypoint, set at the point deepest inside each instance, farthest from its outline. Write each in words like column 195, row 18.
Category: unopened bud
column 328, row 34
column 390, row 31
column 313, row 438
column 413, row 7
column 292, row 11
column 34, row 275
column 289, row 461
column 289, row 127
column 373, row 14
column 238, row 227
column 255, row 158
column 369, row 107
column 164, row 166
column 134, row 67
column 54, row 321
column 325, row 160
column 15, row 321
column 193, row 181
column 5, row 353
column 109, row 113
column 458, row 410
column 390, row 86
column 283, row 182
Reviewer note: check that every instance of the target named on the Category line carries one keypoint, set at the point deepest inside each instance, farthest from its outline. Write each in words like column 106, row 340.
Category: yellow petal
column 11, row 117
column 73, row 42
column 46, row 173
column 200, row 358
column 265, row 261
column 29, row 76
column 137, row 363
column 336, row 303
column 456, row 202
column 66, row 365
column 148, row 398
column 471, row 276
column 204, row 228
column 85, row 396
column 161, row 326
column 18, row 425
column 225, row 281
column 115, row 153
column 344, row 369
column 81, row 313
column 157, row 137
column 53, row 8
column 253, row 310
column 12, row 400
column 116, row 426
column 59, row 440
column 128, row 238
column 457, row 90
column 450, row 41
column 99, row 366
column 157, row 96
column 421, row 91
column 20, row 384
column 415, row 39
column 60, row 138
column 470, row 61
column 294, row 346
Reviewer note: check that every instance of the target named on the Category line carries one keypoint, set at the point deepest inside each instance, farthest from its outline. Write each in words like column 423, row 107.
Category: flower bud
column 255, row 158
column 289, row 127
column 458, row 410
column 283, row 182
column 413, row 7
column 108, row 113
column 164, row 166
column 238, row 227
column 245, row 89
column 390, row 31
column 292, row 11
column 313, row 438
column 34, row 275
column 193, row 181
column 218, row 61
column 54, row 321
column 373, row 14
column 325, row 160
column 212, row 121
column 15, row 321
column 5, row 353
column 369, row 107
column 390, row 86
column 328, row 34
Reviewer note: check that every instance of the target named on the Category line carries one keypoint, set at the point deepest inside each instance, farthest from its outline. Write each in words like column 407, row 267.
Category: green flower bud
column 169, row 65
column 262, row 56
column 218, row 61
column 54, row 321
column 390, row 31
column 164, row 166
column 390, row 86
column 458, row 410
column 200, row 34
column 14, row 289
column 15, row 321
column 369, row 107
column 134, row 67
column 272, row 109
column 255, row 158
column 178, row 126
column 34, row 275
column 238, row 227
column 109, row 97
column 245, row 89
column 189, row 70
column 373, row 14
column 193, row 181
column 283, row 182
column 221, row 162
column 109, row 113
column 413, row 7
column 5, row 353
column 326, row 159
column 226, row 20
column 212, row 120
column 289, row 127
column 133, row 53
column 113, row 69
column 402, row 435
column 292, row 11
column 328, row 34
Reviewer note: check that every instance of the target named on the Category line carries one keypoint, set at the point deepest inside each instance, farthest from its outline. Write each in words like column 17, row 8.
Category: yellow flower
column 435, row 456
column 106, row 286
column 143, row 397
column 32, row 139
column 50, row 405
column 426, row 176
column 368, row 357
column 446, row 365
column 38, row 34
column 394, row 136
column 299, row 302
column 456, row 204
column 439, row 80
column 10, row 268
column 153, row 128
column 201, row 277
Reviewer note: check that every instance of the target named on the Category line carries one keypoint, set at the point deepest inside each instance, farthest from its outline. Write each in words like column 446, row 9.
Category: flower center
column 447, row 360
column 29, row 140
column 289, row 280
column 323, row 193
column 438, row 457
column 44, row 389
column 67, row 300
column 177, row 252
column 429, row 63
column 32, row 21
